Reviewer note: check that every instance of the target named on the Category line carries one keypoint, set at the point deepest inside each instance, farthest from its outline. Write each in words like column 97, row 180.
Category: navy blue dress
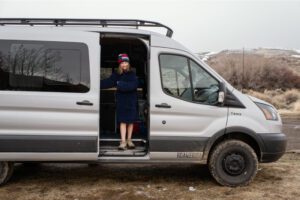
column 126, row 95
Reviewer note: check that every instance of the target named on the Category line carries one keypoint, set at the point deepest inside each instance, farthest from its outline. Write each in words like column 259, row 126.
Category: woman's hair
column 120, row 71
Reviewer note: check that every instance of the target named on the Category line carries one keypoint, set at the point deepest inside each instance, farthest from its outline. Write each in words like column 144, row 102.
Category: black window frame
column 60, row 46
column 190, row 75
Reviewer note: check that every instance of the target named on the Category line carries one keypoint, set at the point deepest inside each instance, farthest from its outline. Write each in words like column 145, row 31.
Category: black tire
column 6, row 171
column 233, row 163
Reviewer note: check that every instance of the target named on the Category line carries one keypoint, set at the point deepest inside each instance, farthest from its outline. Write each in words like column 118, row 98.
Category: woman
column 126, row 83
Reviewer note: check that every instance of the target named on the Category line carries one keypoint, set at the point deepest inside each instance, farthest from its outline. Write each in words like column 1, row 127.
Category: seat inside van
column 137, row 50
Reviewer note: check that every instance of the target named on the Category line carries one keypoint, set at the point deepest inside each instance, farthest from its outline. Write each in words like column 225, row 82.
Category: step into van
column 53, row 110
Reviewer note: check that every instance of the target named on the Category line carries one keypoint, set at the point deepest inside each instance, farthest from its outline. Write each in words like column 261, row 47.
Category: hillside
column 290, row 58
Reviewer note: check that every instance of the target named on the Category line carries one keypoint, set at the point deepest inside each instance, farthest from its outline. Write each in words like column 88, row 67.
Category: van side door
column 49, row 95
column 184, row 110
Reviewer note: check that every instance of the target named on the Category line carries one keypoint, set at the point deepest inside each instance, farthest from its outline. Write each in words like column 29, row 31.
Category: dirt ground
column 279, row 180
column 291, row 127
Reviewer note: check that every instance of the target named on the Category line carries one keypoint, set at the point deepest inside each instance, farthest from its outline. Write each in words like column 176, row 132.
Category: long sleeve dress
column 126, row 95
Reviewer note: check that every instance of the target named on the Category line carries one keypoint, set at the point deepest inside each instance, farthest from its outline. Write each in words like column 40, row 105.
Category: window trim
column 189, row 67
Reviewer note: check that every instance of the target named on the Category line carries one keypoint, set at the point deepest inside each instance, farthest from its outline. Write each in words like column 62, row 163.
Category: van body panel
column 47, row 157
column 178, row 143
column 51, row 122
column 161, row 41
column 251, row 117
column 47, row 143
column 186, row 125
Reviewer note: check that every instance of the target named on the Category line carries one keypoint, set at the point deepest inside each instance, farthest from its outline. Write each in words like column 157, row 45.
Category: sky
column 200, row 25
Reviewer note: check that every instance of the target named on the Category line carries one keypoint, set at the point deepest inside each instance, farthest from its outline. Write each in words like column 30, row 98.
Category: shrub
column 291, row 96
column 282, row 100
column 259, row 72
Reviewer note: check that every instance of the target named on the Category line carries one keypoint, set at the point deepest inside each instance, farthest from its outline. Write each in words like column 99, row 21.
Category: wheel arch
column 240, row 133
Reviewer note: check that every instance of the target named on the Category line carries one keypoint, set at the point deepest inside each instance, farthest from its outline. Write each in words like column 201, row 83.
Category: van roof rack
column 98, row 22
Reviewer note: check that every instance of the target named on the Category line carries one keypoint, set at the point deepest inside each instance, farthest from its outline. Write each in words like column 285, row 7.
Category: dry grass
column 297, row 106
column 272, row 78
column 285, row 101
column 280, row 180
column 259, row 73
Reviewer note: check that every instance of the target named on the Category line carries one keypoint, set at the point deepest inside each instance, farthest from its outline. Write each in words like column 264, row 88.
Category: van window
column 185, row 79
column 205, row 87
column 44, row 66
column 176, row 76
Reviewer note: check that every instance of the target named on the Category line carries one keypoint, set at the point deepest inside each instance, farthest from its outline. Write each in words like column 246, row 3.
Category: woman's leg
column 123, row 131
column 129, row 135
column 123, row 142
column 129, row 131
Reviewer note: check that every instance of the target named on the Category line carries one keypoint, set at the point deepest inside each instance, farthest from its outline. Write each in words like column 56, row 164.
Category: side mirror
column 222, row 94
column 221, row 97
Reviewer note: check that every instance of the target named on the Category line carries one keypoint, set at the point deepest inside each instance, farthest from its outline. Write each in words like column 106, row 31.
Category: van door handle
column 163, row 105
column 84, row 103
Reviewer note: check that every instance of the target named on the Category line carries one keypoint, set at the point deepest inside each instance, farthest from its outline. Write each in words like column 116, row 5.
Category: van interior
column 137, row 49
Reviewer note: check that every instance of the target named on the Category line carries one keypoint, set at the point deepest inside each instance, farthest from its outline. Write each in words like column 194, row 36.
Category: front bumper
column 273, row 146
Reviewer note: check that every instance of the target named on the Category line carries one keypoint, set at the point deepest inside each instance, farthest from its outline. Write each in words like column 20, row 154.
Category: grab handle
column 84, row 103
column 163, row 105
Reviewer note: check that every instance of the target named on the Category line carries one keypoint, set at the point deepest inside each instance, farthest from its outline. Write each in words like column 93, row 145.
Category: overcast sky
column 210, row 25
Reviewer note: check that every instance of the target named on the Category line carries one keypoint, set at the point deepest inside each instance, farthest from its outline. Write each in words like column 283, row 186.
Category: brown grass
column 259, row 72
column 271, row 78
column 280, row 180
column 297, row 106
column 285, row 101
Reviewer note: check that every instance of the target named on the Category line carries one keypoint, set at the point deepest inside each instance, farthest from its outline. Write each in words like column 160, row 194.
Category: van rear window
column 44, row 66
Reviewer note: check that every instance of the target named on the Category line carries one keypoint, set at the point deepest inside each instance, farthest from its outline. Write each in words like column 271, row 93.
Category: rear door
column 49, row 94
column 183, row 107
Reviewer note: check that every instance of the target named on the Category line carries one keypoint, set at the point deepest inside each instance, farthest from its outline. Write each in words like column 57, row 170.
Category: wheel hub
column 234, row 164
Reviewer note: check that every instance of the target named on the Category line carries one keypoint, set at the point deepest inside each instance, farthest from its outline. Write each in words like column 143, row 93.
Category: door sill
column 111, row 151
column 122, row 159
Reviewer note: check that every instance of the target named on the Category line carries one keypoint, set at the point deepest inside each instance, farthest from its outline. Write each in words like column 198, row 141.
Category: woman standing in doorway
column 126, row 83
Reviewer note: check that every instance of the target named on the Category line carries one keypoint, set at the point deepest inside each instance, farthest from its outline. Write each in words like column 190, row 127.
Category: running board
column 118, row 140
column 114, row 143
column 114, row 151
column 123, row 160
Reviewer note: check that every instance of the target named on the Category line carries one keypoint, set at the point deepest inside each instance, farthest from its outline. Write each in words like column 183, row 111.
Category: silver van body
column 57, row 126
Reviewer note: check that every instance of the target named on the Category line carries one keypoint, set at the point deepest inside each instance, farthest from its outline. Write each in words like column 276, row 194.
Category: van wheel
column 6, row 170
column 233, row 163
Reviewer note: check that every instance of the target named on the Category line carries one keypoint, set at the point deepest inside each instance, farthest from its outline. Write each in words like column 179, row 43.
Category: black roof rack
column 94, row 22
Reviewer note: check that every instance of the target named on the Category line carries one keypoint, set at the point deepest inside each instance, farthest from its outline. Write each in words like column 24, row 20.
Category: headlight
column 269, row 112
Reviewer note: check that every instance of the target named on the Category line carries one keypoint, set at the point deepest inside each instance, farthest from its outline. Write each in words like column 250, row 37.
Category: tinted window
column 44, row 66
column 184, row 79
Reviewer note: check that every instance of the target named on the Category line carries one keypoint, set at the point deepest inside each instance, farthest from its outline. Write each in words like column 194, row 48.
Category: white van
column 53, row 110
